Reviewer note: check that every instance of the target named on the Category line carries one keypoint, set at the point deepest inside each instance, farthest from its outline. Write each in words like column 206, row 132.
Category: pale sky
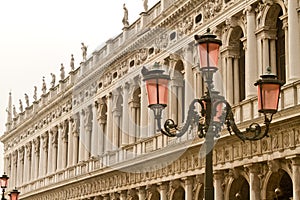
column 36, row 36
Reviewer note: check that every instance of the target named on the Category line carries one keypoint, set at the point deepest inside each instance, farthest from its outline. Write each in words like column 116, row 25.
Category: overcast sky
column 37, row 36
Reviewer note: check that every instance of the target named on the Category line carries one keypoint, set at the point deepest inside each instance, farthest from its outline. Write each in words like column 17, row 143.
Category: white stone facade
column 92, row 136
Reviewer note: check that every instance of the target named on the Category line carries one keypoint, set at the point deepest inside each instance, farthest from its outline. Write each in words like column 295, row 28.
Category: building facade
column 92, row 135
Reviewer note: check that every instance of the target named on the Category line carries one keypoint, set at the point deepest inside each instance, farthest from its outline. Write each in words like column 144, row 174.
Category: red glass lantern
column 4, row 180
column 157, row 86
column 208, row 49
column 268, row 92
column 14, row 195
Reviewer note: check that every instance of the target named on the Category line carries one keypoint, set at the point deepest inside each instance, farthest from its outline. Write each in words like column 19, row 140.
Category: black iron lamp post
column 215, row 110
column 14, row 195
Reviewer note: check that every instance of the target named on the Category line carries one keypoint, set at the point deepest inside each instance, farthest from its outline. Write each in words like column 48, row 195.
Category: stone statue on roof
column 27, row 100
column 44, row 87
column 125, row 18
column 72, row 65
column 84, row 51
column 62, row 72
column 21, row 105
column 35, row 93
column 145, row 4
column 52, row 80
column 15, row 112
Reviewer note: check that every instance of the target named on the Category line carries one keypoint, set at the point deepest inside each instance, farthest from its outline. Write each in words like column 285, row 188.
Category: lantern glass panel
column 4, row 181
column 14, row 195
column 212, row 59
column 268, row 94
column 157, row 90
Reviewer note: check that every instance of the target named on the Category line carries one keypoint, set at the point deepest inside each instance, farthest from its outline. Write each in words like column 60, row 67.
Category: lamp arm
column 171, row 128
column 254, row 128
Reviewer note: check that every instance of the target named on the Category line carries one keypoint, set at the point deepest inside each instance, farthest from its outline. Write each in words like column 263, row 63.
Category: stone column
column 49, row 154
column 254, row 182
column 20, row 166
column 125, row 120
column 36, row 160
column 132, row 118
column 87, row 132
column 115, row 130
column 251, row 65
column 44, row 154
column 293, row 40
column 266, row 53
column 229, row 85
column 142, row 193
column 64, row 138
column 236, row 87
column 28, row 162
column 109, row 122
column 70, row 144
column 54, row 142
column 218, row 179
column 295, row 176
column 188, row 187
column 81, row 138
column 144, row 112
column 286, row 35
column 123, row 195
column 14, row 168
column 75, row 132
column 95, row 133
column 273, row 54
column 163, row 191
column 60, row 144
column 188, row 78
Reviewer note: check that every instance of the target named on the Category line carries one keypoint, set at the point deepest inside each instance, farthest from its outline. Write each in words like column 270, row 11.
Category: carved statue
column 44, row 87
column 62, row 72
column 84, row 51
column 26, row 100
column 52, row 80
column 35, row 93
column 15, row 112
column 21, row 105
column 125, row 18
column 145, row 5
column 72, row 65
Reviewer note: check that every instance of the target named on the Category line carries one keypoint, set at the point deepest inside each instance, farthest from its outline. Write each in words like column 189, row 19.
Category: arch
column 178, row 194
column 268, row 11
column 239, row 186
column 277, row 44
column 235, row 66
column 280, row 182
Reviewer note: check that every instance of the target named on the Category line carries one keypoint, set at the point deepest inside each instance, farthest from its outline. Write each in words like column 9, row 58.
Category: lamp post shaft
column 208, row 184
column 3, row 191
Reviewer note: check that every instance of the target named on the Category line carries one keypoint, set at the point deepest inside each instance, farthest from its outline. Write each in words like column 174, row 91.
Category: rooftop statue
column 125, row 18
column 44, row 87
column 27, row 100
column 21, row 105
column 145, row 5
column 15, row 112
column 52, row 80
column 84, row 51
column 62, row 72
column 72, row 63
column 35, row 93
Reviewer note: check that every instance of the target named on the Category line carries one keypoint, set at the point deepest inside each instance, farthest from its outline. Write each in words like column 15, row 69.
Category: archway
column 280, row 186
column 239, row 189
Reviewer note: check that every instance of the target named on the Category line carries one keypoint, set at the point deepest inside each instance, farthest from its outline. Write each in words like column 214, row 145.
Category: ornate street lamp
column 215, row 110
column 14, row 195
column 4, row 181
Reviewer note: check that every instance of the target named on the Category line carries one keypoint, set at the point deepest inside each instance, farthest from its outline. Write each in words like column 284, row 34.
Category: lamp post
column 14, row 195
column 215, row 111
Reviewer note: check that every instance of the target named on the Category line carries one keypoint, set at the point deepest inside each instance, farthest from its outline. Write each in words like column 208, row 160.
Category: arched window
column 235, row 67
